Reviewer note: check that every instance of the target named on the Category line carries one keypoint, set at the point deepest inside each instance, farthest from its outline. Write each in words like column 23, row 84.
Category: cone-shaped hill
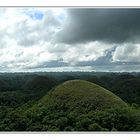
column 75, row 105
column 82, row 96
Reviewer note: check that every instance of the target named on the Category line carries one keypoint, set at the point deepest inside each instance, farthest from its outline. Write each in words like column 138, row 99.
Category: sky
column 69, row 39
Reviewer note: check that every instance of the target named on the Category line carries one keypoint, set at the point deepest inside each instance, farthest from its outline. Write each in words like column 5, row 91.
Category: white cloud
column 90, row 51
column 24, row 38
column 127, row 52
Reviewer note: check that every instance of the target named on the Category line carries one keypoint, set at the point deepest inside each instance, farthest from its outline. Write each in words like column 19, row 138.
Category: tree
column 62, row 123
column 95, row 127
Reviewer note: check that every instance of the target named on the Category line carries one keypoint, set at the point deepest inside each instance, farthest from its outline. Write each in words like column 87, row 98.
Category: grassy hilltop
column 82, row 95
column 79, row 105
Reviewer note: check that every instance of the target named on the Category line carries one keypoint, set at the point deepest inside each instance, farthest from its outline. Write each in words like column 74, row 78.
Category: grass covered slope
column 81, row 95
column 77, row 105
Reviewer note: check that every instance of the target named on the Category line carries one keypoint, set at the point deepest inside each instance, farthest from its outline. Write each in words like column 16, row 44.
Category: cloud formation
column 39, row 39
column 110, row 25
column 127, row 53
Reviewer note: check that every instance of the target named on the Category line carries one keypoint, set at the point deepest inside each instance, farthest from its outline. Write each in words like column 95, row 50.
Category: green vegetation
column 4, row 86
column 40, row 83
column 129, row 91
column 82, row 95
column 125, row 86
column 50, row 103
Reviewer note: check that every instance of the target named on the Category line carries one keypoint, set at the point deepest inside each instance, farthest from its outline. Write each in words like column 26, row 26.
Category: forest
column 69, row 101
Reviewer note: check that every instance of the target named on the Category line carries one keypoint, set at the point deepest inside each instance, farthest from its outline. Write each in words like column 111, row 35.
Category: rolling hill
column 102, row 103
column 82, row 95
column 65, row 105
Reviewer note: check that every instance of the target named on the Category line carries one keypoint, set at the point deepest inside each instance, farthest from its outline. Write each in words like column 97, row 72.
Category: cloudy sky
column 56, row 39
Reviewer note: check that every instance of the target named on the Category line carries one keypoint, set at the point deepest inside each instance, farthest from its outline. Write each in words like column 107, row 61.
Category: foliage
column 33, row 102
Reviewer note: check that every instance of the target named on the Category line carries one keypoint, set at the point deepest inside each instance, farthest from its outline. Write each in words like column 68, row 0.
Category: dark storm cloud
column 111, row 25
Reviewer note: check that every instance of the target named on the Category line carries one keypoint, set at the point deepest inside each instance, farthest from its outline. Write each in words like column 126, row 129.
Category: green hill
column 68, row 107
column 83, row 96
column 75, row 105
